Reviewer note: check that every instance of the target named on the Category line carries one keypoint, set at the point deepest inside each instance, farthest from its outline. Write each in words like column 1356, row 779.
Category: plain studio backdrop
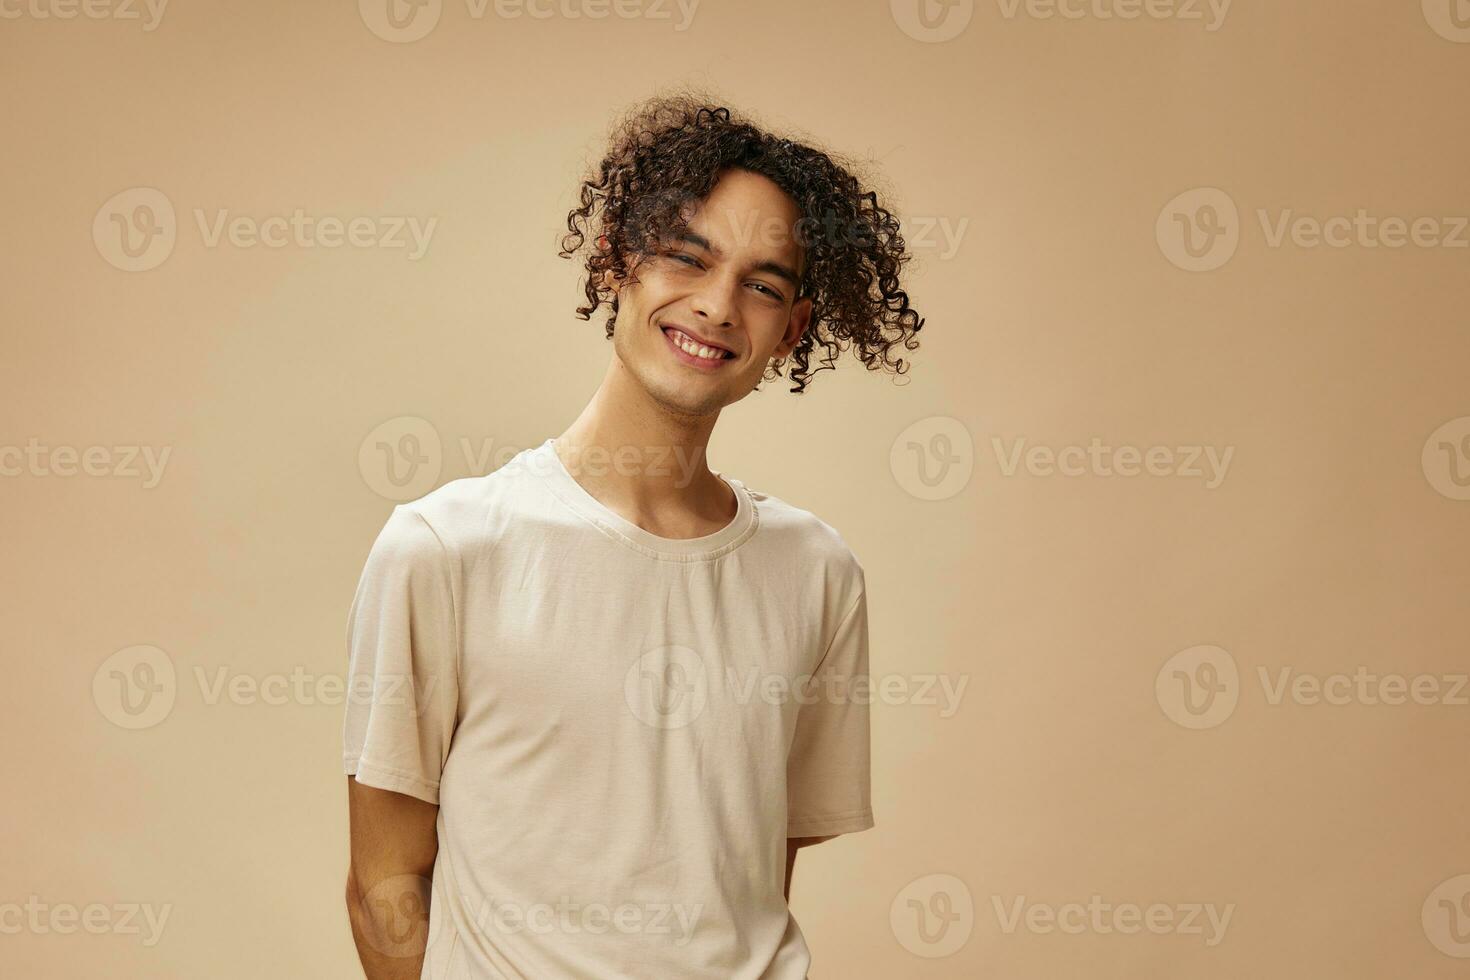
column 1166, row 533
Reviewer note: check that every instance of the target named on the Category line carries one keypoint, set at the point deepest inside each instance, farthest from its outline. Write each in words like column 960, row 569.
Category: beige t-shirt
column 620, row 730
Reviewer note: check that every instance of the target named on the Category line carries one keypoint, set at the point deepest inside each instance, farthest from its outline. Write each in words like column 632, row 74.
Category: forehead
column 747, row 214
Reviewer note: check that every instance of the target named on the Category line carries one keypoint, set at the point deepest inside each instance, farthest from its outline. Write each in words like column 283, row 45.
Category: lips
column 674, row 330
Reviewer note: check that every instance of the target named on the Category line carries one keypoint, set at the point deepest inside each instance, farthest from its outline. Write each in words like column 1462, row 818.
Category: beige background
column 1336, row 540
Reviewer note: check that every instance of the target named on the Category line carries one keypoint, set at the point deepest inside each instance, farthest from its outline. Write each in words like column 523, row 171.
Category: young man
column 613, row 691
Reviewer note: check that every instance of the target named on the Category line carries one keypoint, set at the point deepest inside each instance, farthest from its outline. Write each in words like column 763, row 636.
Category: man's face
column 729, row 282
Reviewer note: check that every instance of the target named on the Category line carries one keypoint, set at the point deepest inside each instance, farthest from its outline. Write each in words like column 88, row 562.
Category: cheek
column 768, row 334
column 650, row 295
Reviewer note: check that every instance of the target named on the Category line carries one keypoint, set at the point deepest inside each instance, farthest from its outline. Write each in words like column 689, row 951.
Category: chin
column 682, row 397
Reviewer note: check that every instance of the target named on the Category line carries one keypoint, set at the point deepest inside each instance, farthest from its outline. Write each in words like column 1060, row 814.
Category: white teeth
column 686, row 344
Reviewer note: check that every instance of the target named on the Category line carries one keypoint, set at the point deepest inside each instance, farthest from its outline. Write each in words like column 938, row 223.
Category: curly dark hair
column 668, row 153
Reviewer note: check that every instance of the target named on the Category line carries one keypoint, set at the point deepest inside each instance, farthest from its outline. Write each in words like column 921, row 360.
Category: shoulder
column 435, row 532
column 817, row 544
column 461, row 514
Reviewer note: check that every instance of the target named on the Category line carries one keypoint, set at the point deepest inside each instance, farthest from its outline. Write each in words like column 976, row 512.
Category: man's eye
column 767, row 290
column 682, row 257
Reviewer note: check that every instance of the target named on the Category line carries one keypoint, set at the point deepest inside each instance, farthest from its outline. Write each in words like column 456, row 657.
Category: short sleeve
column 827, row 770
column 403, row 653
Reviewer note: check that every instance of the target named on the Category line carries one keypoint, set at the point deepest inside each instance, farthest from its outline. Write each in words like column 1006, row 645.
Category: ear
column 610, row 281
column 796, row 325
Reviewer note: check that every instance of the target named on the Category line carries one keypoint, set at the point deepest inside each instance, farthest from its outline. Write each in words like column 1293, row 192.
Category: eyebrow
column 775, row 268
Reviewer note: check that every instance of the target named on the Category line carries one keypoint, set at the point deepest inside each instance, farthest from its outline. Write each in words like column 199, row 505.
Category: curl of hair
column 667, row 154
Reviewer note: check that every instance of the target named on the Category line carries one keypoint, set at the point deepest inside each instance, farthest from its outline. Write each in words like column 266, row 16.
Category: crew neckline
column 548, row 466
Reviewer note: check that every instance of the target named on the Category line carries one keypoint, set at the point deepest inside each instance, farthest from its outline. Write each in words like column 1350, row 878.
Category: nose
column 714, row 301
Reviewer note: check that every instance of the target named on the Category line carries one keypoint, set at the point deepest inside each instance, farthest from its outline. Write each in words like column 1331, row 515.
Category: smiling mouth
column 694, row 348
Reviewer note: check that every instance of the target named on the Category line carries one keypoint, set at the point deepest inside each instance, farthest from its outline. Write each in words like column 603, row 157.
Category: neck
column 643, row 459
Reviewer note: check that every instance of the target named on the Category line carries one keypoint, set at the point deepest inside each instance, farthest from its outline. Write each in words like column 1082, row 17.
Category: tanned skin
column 393, row 845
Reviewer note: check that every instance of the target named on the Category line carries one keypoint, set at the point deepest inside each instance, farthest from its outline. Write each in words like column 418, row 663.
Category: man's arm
column 394, row 843
column 793, row 844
